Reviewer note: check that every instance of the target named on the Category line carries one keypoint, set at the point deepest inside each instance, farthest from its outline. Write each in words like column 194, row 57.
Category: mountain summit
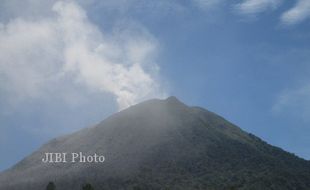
column 162, row 144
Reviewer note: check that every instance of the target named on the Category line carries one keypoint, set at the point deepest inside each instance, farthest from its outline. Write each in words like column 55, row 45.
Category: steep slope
column 163, row 144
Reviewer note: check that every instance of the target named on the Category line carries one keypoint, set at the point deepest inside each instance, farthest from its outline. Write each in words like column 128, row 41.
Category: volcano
column 164, row 145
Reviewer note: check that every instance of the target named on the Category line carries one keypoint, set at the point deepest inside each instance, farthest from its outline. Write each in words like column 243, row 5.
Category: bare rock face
column 162, row 144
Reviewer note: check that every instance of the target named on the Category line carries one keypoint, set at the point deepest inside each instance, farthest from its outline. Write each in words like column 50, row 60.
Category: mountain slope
column 163, row 144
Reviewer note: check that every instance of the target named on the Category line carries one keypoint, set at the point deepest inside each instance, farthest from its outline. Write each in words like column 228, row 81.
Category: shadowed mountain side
column 163, row 144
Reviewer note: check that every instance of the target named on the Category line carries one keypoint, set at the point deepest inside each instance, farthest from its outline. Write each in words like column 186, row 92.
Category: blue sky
column 65, row 65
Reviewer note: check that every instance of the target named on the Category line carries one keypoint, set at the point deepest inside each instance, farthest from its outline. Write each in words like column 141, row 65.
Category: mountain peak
column 174, row 101
column 171, row 102
column 172, row 98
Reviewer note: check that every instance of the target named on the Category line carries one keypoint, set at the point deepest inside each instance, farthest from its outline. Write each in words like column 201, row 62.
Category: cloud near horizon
column 294, row 103
column 297, row 14
column 39, row 55
column 257, row 6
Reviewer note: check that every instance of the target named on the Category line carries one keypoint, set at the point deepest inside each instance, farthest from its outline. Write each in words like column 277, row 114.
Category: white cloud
column 26, row 9
column 297, row 14
column 39, row 55
column 28, row 56
column 207, row 4
column 257, row 6
column 294, row 102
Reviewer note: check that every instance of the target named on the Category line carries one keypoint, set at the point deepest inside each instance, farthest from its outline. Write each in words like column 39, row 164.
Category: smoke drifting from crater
column 66, row 48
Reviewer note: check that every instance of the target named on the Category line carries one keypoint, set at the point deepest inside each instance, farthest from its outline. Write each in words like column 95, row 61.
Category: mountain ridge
column 160, row 144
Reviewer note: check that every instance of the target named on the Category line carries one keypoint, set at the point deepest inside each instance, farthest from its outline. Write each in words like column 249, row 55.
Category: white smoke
column 40, row 54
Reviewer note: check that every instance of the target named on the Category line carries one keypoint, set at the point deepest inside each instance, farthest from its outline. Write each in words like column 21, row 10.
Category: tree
column 50, row 186
column 88, row 186
column 232, row 188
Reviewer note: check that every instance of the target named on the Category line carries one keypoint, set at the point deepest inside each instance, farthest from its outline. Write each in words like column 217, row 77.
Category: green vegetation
column 88, row 186
column 166, row 145
column 50, row 186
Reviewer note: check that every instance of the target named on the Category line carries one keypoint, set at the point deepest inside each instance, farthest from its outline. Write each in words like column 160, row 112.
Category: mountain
column 163, row 144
